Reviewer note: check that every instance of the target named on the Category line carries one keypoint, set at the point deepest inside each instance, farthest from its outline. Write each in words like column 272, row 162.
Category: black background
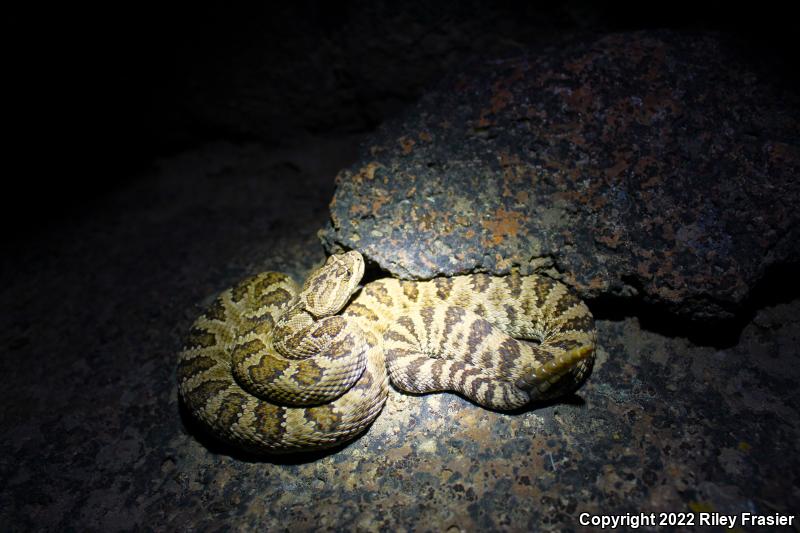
column 95, row 94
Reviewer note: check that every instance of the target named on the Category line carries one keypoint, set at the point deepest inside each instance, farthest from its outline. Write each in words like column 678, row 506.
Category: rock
column 655, row 165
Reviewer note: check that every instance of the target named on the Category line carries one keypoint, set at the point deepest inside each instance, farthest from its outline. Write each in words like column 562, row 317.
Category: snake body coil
column 274, row 368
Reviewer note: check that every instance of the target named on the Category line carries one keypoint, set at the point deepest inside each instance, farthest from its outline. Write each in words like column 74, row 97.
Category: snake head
column 327, row 289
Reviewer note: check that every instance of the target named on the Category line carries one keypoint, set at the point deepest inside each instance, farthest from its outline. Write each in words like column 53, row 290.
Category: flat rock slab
column 656, row 165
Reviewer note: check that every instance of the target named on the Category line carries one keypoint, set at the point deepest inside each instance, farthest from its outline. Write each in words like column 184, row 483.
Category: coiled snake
column 274, row 368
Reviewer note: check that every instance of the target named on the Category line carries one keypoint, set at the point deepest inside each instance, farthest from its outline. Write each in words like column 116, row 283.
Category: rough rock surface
column 656, row 165
column 94, row 439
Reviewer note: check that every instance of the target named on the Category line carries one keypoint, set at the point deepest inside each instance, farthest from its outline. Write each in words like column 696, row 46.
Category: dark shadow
column 780, row 284
column 373, row 272
column 572, row 399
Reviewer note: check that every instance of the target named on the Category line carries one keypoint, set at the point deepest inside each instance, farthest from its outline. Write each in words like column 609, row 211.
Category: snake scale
column 271, row 367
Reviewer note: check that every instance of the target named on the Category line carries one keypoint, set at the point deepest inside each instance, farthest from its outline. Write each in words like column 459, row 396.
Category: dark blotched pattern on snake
column 272, row 367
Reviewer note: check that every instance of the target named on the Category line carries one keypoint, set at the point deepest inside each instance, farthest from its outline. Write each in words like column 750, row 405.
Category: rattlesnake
column 274, row 368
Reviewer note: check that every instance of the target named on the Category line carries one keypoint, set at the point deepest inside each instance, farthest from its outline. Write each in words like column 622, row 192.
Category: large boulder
column 659, row 165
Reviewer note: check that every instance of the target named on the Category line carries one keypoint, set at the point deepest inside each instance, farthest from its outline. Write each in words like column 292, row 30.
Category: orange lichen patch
column 425, row 136
column 597, row 282
column 572, row 197
column 668, row 294
column 381, row 198
column 522, row 197
column 474, row 427
column 425, row 261
column 358, row 210
column 369, row 170
column 366, row 173
column 504, row 224
column 500, row 99
column 483, row 121
column 502, row 263
column 401, row 453
column 406, row 144
column 461, row 220
column 427, row 221
column 442, row 222
column 598, row 202
column 612, row 241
